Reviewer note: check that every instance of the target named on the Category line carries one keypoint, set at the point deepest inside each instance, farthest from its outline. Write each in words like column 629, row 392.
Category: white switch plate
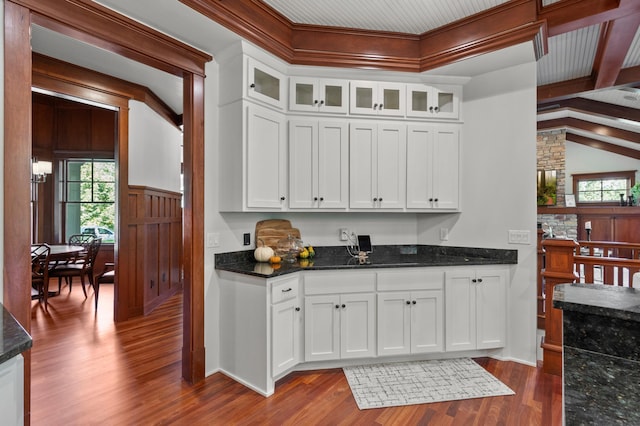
column 213, row 239
column 519, row 236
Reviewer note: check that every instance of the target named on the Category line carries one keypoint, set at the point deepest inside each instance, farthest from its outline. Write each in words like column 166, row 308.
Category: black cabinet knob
column 435, row 199
column 414, row 302
column 430, row 199
column 408, row 302
column 344, row 306
column 375, row 106
column 380, row 199
column 381, row 106
column 321, row 102
column 298, row 309
column 375, row 199
column 337, row 306
column 252, row 85
column 321, row 198
column 282, row 198
column 430, row 109
column 315, row 198
column 315, row 102
column 436, row 109
column 479, row 280
column 474, row 280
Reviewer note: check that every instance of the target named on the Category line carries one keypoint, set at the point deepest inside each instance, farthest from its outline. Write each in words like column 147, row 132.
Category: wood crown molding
column 505, row 25
column 92, row 23
column 50, row 73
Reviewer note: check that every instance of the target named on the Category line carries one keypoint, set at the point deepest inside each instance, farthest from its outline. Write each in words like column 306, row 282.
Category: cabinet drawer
column 284, row 290
column 416, row 279
column 338, row 283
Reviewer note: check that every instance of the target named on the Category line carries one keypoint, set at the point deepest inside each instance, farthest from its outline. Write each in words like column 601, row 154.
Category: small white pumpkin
column 262, row 253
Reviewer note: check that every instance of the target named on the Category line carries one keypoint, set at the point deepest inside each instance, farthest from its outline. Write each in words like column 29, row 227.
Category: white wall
column 583, row 159
column 154, row 145
column 498, row 189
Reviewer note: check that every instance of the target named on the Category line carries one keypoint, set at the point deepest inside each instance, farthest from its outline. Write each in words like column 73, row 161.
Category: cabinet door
column 447, row 101
column 394, row 323
column 363, row 97
column 420, row 167
column 332, row 165
column 418, row 100
column 285, row 343
column 357, row 326
column 303, row 163
column 391, row 174
column 446, row 168
column 391, row 99
column 303, row 94
column 333, row 96
column 363, row 140
column 460, row 311
column 491, row 308
column 321, row 328
column 427, row 321
column 266, row 159
column 265, row 84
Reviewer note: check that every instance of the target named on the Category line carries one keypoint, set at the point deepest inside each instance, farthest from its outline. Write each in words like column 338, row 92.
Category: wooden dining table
column 63, row 252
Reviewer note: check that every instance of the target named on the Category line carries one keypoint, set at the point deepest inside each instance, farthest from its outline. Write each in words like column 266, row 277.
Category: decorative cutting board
column 270, row 231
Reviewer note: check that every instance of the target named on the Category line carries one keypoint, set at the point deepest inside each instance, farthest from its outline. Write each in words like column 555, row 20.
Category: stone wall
column 562, row 225
column 551, row 156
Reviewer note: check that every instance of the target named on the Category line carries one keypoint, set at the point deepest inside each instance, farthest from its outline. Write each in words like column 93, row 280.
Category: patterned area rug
column 420, row 382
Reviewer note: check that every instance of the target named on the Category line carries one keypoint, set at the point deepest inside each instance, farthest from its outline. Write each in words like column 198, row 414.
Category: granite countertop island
column 15, row 339
column 601, row 353
column 389, row 256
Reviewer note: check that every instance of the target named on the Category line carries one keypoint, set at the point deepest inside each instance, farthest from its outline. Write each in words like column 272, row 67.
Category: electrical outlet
column 444, row 234
column 344, row 234
column 247, row 239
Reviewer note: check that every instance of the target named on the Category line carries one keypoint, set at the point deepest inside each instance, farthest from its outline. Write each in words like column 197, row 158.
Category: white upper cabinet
column 266, row 169
column 318, row 164
column 265, row 84
column 377, row 165
column 424, row 101
column 377, row 98
column 318, row 95
column 433, row 167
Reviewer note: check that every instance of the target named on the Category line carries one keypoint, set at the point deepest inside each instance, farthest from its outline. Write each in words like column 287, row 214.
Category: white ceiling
column 570, row 55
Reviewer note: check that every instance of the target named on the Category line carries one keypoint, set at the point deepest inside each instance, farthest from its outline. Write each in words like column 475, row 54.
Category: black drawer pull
column 287, row 290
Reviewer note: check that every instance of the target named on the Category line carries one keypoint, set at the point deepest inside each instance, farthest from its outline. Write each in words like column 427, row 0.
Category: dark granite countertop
column 598, row 299
column 15, row 339
column 391, row 256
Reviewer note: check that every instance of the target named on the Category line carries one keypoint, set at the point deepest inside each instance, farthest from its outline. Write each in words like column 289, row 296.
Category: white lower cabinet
column 12, row 391
column 411, row 316
column 339, row 325
column 410, row 322
column 286, row 318
column 476, row 308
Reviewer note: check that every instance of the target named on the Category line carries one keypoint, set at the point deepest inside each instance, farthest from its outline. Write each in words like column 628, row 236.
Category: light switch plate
column 519, row 236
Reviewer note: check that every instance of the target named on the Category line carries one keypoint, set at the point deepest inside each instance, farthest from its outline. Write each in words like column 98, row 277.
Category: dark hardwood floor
column 88, row 371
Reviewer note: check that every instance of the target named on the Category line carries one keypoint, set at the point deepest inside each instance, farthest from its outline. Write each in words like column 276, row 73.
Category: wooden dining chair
column 107, row 276
column 82, row 268
column 40, row 256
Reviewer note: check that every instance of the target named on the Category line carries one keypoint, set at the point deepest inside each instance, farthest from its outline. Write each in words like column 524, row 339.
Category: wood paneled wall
column 154, row 233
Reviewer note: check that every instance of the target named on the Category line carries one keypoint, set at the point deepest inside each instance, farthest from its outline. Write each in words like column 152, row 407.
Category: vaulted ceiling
column 588, row 50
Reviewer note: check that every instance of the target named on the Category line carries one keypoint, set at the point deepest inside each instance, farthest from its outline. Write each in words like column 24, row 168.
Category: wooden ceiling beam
column 592, row 107
column 615, row 40
column 605, row 146
column 587, row 126
column 570, row 15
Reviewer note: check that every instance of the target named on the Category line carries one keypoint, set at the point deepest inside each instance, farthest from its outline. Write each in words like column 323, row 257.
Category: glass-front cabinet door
column 318, row 95
column 372, row 98
column 433, row 101
column 265, row 84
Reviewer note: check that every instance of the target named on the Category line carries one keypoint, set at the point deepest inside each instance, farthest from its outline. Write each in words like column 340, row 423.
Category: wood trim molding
column 591, row 107
column 92, row 23
column 605, row 146
column 505, row 25
column 16, row 295
column 64, row 77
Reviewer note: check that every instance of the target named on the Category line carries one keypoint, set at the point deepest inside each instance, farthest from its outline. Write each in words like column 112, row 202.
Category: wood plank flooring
column 88, row 371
